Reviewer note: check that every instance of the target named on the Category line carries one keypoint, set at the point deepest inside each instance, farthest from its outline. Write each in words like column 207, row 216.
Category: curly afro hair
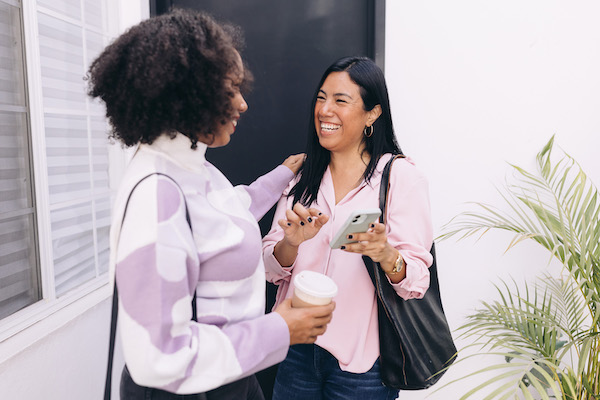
column 167, row 75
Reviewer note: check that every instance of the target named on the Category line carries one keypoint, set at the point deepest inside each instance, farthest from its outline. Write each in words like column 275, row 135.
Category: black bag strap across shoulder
column 415, row 341
column 384, row 188
column 115, row 299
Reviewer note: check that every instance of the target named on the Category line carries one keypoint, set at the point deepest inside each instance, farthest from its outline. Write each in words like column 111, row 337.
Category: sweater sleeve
column 157, row 270
column 274, row 272
column 410, row 227
column 265, row 191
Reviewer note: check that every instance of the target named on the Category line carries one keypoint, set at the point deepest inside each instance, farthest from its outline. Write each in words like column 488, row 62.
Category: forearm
column 267, row 189
column 285, row 253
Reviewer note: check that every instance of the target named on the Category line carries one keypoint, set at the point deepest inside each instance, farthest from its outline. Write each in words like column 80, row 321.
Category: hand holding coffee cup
column 310, row 309
column 313, row 289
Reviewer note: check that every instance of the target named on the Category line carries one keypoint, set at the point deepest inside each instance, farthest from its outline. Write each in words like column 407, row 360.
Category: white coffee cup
column 313, row 289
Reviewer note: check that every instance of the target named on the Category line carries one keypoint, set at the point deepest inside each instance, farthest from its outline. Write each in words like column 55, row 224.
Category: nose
column 324, row 109
column 242, row 105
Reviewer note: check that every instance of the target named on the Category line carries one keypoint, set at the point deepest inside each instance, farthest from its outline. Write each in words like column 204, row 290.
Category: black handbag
column 136, row 391
column 415, row 342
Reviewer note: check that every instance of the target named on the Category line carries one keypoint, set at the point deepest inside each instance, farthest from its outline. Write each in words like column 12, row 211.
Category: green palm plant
column 548, row 332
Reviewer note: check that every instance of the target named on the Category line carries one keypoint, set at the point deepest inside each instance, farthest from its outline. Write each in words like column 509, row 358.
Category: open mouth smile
column 328, row 127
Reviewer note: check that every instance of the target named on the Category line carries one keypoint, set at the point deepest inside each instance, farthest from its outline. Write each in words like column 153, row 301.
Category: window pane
column 19, row 272
column 19, row 280
column 95, row 14
column 61, row 52
column 12, row 90
column 103, row 225
column 73, row 246
column 76, row 140
column 94, row 45
column 70, row 8
column 15, row 184
column 99, row 129
column 67, row 149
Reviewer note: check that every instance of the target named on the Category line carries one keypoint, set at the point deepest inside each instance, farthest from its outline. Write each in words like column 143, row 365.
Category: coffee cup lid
column 315, row 284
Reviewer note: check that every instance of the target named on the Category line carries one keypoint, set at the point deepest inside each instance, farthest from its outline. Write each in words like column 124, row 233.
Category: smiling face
column 340, row 117
column 222, row 135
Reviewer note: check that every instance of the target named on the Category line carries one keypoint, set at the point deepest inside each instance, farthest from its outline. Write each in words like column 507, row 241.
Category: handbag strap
column 384, row 188
column 115, row 299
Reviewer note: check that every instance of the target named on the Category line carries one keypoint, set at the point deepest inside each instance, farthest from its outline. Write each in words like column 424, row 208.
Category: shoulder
column 158, row 183
column 293, row 182
column 407, row 168
column 158, row 195
column 150, row 182
column 404, row 171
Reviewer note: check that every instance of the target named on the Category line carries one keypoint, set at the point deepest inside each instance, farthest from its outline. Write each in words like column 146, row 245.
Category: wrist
column 398, row 265
column 289, row 245
column 285, row 253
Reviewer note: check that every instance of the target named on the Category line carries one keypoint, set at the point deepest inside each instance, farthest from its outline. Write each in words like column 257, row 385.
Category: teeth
column 234, row 122
column 329, row 127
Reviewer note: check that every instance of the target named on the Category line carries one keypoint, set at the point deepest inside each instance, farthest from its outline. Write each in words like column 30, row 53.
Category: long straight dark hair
column 373, row 91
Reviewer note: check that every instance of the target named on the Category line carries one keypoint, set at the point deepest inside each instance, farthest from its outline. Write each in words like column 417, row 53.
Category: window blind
column 19, row 273
column 71, row 35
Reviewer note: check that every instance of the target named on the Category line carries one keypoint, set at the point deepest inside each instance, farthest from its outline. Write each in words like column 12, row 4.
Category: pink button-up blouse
column 352, row 335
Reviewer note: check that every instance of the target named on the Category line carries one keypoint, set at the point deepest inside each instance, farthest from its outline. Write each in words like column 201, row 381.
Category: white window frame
column 31, row 324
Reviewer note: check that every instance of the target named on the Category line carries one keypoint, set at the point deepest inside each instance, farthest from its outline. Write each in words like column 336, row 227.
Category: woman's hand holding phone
column 360, row 234
column 358, row 221
column 372, row 243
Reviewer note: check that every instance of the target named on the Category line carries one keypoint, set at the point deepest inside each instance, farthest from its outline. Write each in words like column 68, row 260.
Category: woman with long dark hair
column 351, row 137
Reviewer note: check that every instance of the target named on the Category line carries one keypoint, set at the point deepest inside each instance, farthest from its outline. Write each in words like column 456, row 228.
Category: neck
column 350, row 161
column 347, row 170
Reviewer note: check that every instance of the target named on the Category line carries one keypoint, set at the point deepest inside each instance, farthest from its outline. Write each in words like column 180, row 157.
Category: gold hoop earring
column 370, row 133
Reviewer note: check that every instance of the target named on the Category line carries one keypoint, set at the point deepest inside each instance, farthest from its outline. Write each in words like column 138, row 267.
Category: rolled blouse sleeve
column 409, row 226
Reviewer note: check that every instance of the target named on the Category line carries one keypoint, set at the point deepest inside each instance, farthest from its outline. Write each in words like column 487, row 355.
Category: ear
column 373, row 115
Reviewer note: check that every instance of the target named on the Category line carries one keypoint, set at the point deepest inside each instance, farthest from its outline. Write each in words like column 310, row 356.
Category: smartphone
column 358, row 221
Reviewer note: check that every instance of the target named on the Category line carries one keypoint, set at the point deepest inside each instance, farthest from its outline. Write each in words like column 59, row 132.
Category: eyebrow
column 336, row 94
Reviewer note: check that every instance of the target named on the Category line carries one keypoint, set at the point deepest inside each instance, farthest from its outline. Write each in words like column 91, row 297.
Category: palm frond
column 549, row 333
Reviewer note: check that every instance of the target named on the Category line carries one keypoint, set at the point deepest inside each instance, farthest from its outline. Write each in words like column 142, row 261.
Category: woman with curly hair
column 185, row 244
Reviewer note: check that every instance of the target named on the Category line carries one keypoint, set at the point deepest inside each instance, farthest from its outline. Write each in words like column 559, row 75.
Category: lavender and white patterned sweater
column 159, row 264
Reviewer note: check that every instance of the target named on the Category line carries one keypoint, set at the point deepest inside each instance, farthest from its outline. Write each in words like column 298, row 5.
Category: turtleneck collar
column 179, row 151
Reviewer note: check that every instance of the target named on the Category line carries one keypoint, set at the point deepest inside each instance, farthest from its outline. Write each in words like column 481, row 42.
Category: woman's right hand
column 305, row 323
column 301, row 224
column 294, row 162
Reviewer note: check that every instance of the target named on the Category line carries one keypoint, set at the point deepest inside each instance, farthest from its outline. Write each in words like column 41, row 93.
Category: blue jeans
column 310, row 372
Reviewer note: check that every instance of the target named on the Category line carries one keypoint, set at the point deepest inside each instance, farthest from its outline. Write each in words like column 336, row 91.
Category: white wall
column 67, row 364
column 475, row 84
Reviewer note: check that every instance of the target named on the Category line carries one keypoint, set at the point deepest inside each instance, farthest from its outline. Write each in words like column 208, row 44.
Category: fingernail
column 320, row 213
column 302, row 223
column 289, row 224
column 309, row 219
column 349, row 236
column 343, row 247
column 372, row 225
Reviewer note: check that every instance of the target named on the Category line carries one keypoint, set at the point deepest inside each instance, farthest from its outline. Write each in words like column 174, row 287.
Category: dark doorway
column 289, row 44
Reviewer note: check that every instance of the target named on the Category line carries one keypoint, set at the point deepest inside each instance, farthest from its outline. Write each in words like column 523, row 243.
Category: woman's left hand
column 294, row 162
column 372, row 243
